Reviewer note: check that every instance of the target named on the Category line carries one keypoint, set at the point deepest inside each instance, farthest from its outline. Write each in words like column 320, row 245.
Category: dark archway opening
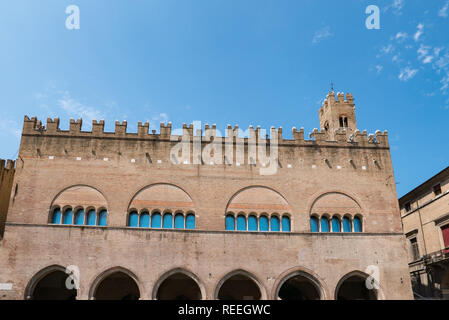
column 179, row 287
column 117, row 286
column 299, row 288
column 354, row 288
column 53, row 287
column 239, row 287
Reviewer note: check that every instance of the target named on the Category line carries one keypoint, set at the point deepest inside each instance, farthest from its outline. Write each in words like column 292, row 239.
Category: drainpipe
column 430, row 284
column 422, row 229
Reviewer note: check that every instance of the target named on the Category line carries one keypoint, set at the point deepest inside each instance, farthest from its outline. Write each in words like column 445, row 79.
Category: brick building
column 195, row 215
column 425, row 219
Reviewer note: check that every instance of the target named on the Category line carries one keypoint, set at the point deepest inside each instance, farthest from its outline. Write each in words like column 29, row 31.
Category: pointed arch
column 29, row 293
column 108, row 272
column 308, row 274
column 181, row 271
column 374, row 294
column 244, row 273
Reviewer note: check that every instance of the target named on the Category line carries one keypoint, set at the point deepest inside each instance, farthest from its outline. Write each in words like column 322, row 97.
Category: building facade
column 7, row 169
column 194, row 215
column 425, row 219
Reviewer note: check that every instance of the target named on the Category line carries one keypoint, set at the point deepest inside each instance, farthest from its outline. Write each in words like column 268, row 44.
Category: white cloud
column 161, row 117
column 379, row 68
column 445, row 84
column 76, row 109
column 427, row 59
column 442, row 63
column 401, row 36
column 419, row 32
column 396, row 6
column 443, row 11
column 10, row 127
column 423, row 51
column 407, row 74
column 385, row 50
column 322, row 34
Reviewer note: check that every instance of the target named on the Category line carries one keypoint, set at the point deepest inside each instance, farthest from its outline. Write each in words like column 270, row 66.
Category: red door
column 445, row 231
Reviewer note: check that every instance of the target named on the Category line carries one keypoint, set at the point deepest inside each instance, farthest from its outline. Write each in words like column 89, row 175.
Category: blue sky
column 264, row 62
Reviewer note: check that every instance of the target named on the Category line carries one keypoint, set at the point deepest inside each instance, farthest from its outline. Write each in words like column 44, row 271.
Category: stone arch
column 78, row 196
column 375, row 294
column 41, row 275
column 243, row 273
column 176, row 271
column 105, row 274
column 258, row 198
column 162, row 196
column 333, row 202
column 311, row 276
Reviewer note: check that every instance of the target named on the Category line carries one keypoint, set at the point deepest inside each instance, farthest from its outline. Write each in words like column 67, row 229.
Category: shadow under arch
column 305, row 273
column 177, row 271
column 94, row 285
column 235, row 194
column 104, row 203
column 77, row 185
column 246, row 274
column 33, row 283
column 318, row 195
column 367, row 294
column 155, row 184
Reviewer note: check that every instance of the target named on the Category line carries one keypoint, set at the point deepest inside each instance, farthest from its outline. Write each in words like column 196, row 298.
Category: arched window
column 56, row 217
column 286, row 226
column 67, row 217
column 343, row 122
column 133, row 219
column 336, row 226
column 168, row 221
column 190, row 221
column 103, row 218
column 156, row 220
column 241, row 222
column 263, row 223
column 314, row 226
column 252, row 223
column 179, row 221
column 230, row 222
column 79, row 217
column 91, row 218
column 357, row 224
column 346, row 224
column 274, row 223
column 144, row 221
column 324, row 224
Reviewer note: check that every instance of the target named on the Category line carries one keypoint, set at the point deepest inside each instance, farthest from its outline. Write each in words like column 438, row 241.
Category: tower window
column 414, row 249
column 407, row 207
column 437, row 189
column 343, row 122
